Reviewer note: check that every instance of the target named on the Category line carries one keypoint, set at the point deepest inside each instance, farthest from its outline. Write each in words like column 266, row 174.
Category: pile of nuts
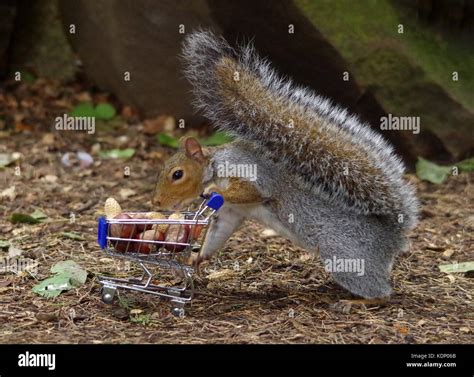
column 173, row 233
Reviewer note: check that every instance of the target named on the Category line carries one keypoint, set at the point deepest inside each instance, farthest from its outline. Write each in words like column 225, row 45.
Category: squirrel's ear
column 193, row 149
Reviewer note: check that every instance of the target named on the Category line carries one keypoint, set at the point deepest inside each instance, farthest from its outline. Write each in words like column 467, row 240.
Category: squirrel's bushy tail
column 326, row 149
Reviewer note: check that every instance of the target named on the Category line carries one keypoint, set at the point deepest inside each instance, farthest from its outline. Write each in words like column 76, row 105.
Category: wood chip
column 47, row 317
column 448, row 253
column 221, row 274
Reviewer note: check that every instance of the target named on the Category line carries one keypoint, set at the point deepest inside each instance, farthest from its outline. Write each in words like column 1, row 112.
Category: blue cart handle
column 102, row 232
column 215, row 201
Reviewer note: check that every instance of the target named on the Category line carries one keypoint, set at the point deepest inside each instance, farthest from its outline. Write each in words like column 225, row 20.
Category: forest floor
column 278, row 294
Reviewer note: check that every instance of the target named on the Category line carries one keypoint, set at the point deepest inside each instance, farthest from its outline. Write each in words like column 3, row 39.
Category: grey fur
column 327, row 217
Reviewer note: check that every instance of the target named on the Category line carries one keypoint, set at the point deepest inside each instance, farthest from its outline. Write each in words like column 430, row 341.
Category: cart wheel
column 178, row 312
column 108, row 294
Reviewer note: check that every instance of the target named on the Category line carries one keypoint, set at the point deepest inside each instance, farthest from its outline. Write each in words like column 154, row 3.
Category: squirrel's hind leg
column 358, row 266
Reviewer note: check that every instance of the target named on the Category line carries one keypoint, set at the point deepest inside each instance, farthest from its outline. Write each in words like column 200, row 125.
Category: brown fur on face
column 172, row 194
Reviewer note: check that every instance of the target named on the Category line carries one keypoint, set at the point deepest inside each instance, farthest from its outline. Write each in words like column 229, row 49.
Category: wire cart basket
column 157, row 243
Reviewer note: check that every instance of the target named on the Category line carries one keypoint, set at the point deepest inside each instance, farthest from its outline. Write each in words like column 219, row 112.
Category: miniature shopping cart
column 156, row 257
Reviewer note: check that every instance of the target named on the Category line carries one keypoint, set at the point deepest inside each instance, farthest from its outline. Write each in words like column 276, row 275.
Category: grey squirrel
column 322, row 178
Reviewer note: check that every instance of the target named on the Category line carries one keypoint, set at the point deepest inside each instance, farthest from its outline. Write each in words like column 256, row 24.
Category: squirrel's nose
column 155, row 202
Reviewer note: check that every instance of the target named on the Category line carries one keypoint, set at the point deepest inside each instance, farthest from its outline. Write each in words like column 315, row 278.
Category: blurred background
column 406, row 58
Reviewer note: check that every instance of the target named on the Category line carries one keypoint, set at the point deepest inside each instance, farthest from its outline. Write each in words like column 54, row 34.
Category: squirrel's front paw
column 209, row 190
column 196, row 261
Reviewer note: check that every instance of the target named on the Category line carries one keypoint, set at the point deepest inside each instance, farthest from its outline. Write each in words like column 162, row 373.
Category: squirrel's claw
column 209, row 190
column 197, row 264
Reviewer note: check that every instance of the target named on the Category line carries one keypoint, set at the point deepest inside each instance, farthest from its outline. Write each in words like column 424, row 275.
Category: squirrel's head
column 180, row 181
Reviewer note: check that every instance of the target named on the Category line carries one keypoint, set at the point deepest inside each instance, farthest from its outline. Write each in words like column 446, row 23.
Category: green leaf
column 142, row 319
column 167, row 140
column 4, row 244
column 217, row 138
column 118, row 153
column 105, row 111
column 68, row 275
column 53, row 286
column 126, row 302
column 466, row 165
column 428, row 171
column 457, row 267
column 39, row 215
column 84, row 109
column 23, row 218
column 28, row 77
column 73, row 236
column 70, row 268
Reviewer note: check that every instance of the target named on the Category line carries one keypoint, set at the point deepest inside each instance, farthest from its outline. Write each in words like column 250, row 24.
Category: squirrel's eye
column 178, row 174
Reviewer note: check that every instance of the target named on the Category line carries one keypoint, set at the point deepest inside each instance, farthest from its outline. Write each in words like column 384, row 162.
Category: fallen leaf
column 77, row 274
column 39, row 214
column 8, row 158
column 84, row 109
column 20, row 127
column 53, row 286
column 4, row 244
column 466, row 165
column 68, row 275
column 168, row 141
column 429, row 171
column 23, row 218
column 105, row 111
column 457, row 267
column 117, row 153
